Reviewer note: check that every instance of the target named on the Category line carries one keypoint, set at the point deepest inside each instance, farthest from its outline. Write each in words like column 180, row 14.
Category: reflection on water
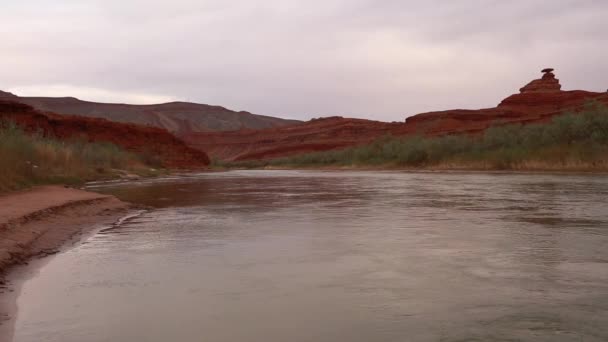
column 336, row 256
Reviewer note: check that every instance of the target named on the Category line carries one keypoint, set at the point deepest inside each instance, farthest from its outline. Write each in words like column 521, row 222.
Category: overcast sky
column 378, row 59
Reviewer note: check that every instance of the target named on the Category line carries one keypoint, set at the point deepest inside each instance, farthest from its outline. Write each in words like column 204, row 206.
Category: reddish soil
column 37, row 222
column 538, row 101
column 153, row 141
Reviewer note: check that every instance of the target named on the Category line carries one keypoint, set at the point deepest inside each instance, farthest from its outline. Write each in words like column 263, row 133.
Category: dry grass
column 571, row 142
column 27, row 160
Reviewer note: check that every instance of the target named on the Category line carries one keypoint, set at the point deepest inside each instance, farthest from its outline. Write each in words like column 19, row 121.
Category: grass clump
column 569, row 142
column 33, row 159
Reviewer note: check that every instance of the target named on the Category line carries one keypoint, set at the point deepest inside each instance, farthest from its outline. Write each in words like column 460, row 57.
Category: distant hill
column 173, row 116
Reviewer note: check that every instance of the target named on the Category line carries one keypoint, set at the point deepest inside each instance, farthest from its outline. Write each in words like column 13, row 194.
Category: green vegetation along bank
column 570, row 142
column 27, row 160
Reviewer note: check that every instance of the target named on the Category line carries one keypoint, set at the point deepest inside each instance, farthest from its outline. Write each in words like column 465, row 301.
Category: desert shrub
column 29, row 159
column 571, row 138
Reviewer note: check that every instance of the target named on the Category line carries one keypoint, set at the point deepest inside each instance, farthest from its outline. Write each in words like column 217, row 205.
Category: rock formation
column 152, row 141
column 547, row 83
column 538, row 101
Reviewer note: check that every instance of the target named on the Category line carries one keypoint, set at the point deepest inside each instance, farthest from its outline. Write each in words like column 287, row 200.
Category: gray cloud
column 376, row 59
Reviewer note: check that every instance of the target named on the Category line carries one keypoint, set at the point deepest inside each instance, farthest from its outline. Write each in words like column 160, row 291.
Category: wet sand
column 38, row 222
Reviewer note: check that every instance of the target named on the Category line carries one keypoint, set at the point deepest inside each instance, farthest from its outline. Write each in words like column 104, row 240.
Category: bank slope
column 152, row 142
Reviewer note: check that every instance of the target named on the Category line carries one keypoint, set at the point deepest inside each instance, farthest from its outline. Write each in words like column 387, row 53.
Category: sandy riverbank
column 38, row 222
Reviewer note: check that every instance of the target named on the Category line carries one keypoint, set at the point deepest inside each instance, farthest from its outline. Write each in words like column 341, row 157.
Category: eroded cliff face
column 157, row 142
column 537, row 101
column 315, row 135
column 546, row 84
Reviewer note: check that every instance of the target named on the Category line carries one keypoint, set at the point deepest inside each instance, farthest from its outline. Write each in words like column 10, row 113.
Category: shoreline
column 40, row 222
column 548, row 171
column 43, row 221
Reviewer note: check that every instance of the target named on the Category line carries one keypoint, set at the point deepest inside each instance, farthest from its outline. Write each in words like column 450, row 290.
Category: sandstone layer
column 38, row 222
column 538, row 101
column 153, row 141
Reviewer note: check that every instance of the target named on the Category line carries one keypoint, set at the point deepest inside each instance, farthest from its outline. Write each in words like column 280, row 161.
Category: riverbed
column 334, row 256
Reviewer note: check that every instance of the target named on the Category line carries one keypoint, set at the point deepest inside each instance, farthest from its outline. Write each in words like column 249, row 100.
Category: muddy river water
column 335, row 256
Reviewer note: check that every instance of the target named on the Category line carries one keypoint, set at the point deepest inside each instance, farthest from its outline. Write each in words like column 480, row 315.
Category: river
column 335, row 256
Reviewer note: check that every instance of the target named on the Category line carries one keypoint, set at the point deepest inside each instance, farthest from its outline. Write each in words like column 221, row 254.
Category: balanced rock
column 547, row 83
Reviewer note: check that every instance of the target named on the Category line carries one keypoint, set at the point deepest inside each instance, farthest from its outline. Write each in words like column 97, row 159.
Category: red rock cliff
column 538, row 101
column 173, row 152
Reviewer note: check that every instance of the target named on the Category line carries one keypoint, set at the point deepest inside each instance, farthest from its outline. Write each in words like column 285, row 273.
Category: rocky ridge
column 173, row 116
column 538, row 101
